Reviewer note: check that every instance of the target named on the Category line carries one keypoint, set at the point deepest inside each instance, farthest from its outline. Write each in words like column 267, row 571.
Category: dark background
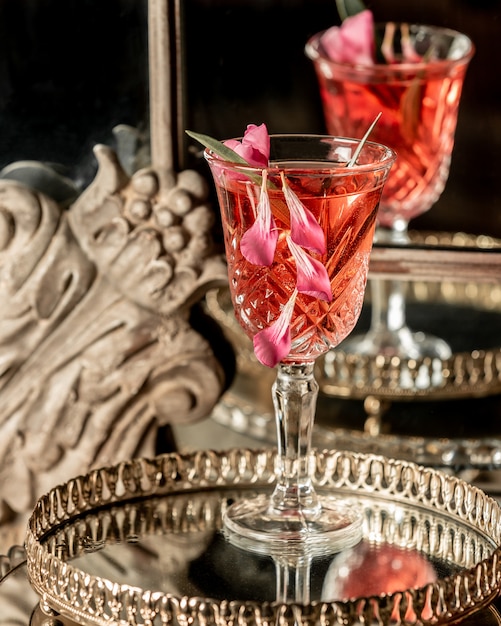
column 71, row 70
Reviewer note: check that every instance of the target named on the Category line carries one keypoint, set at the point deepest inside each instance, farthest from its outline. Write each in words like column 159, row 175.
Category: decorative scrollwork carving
column 97, row 349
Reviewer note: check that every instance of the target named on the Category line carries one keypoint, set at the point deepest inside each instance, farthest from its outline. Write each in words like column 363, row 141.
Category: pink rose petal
column 259, row 138
column 273, row 344
column 254, row 147
column 408, row 52
column 387, row 47
column 312, row 277
column 259, row 242
column 353, row 41
column 305, row 230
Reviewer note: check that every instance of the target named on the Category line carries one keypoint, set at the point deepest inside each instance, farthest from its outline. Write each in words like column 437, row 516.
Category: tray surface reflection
column 142, row 543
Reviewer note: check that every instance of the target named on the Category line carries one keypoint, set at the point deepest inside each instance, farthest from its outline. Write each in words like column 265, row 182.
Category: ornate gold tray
column 391, row 406
column 141, row 544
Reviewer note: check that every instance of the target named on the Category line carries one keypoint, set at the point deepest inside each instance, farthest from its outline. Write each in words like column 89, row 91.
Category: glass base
column 253, row 524
column 403, row 343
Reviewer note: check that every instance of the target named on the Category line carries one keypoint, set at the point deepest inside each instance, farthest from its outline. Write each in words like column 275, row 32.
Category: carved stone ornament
column 96, row 345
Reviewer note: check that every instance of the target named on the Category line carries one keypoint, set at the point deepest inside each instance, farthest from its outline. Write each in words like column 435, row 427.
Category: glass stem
column 388, row 305
column 295, row 392
column 388, row 296
column 293, row 579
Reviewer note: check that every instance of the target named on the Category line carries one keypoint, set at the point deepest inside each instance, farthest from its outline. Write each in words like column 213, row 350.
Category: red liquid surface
column 418, row 121
column 260, row 293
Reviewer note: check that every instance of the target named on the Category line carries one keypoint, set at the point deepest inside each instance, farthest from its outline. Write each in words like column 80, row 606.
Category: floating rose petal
column 260, row 240
column 254, row 147
column 312, row 277
column 387, row 45
column 305, row 230
column 408, row 52
column 273, row 344
column 353, row 41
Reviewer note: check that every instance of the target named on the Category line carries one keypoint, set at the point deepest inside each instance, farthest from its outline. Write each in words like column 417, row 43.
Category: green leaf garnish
column 227, row 154
column 219, row 148
column 347, row 8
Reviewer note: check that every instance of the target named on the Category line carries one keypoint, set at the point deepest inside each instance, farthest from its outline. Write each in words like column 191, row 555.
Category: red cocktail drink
column 345, row 205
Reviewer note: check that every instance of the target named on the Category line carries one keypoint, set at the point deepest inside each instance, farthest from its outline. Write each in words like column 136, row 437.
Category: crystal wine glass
column 419, row 104
column 298, row 234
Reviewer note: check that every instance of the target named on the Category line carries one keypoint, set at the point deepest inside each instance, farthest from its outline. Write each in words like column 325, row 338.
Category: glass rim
column 388, row 157
column 313, row 52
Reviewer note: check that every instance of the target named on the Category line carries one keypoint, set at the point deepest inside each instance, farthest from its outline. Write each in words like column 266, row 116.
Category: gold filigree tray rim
column 460, row 453
column 18, row 594
column 451, row 598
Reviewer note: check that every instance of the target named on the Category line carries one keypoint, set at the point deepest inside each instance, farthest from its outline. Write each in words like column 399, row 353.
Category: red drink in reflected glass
column 419, row 105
